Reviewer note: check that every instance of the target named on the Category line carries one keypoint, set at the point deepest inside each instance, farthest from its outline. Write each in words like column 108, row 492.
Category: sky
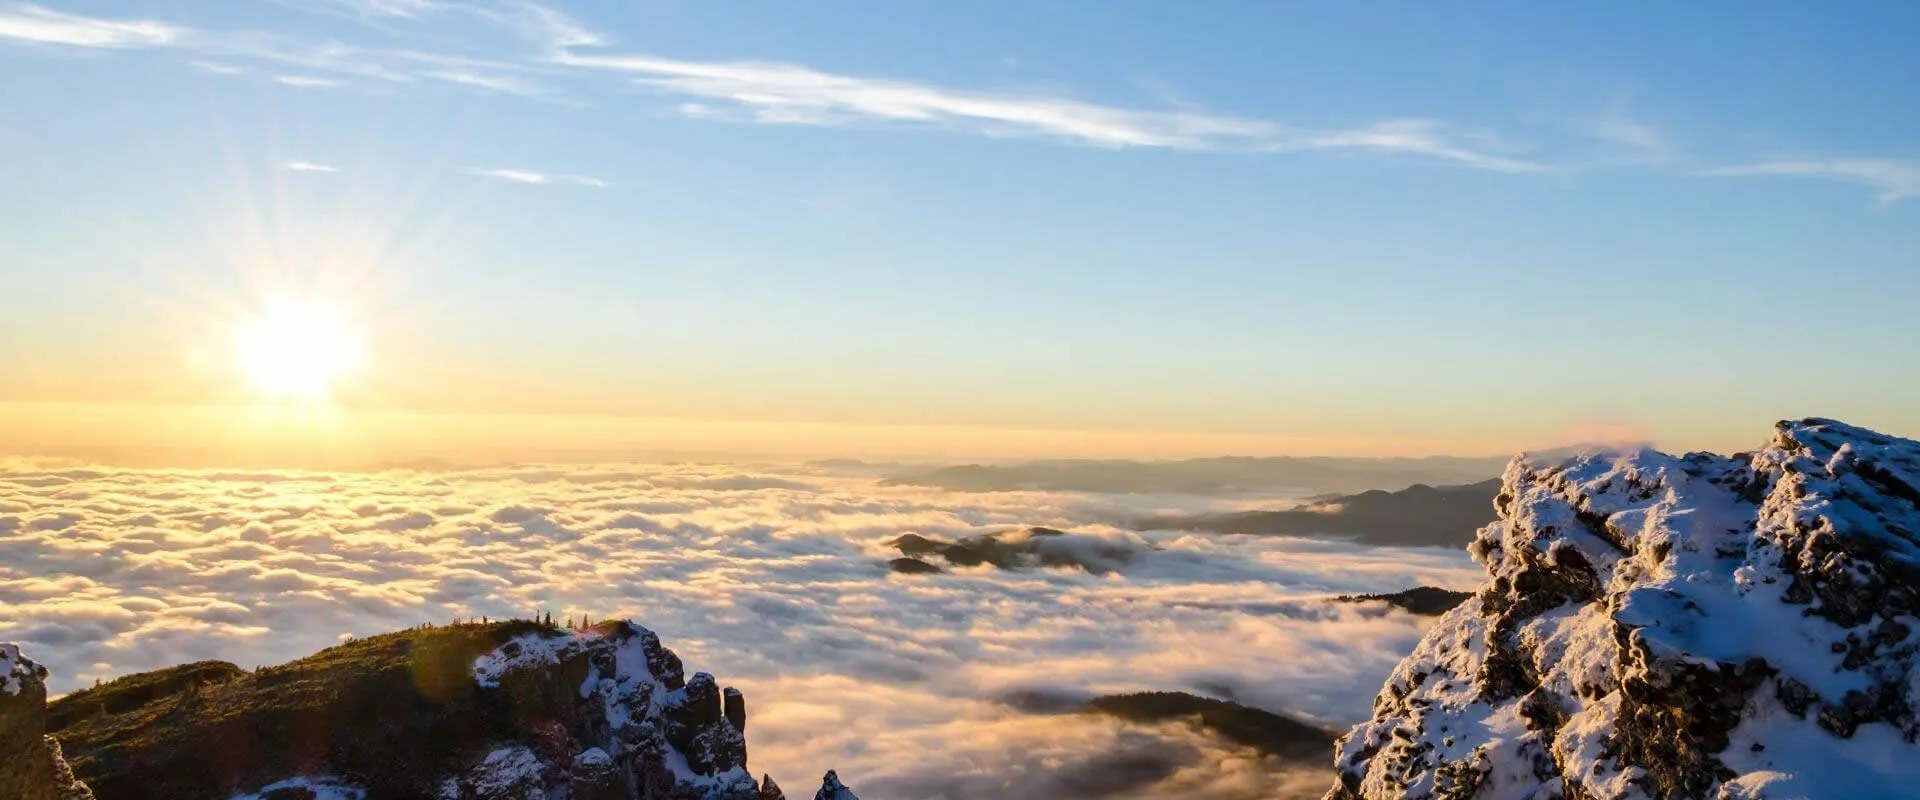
column 980, row 229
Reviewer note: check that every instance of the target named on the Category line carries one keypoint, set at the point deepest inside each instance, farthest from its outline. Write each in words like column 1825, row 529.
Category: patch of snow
column 510, row 772
column 322, row 787
column 593, row 758
column 15, row 668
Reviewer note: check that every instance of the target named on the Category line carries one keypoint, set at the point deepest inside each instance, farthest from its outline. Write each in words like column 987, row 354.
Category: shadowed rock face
column 466, row 712
column 31, row 764
column 1657, row 626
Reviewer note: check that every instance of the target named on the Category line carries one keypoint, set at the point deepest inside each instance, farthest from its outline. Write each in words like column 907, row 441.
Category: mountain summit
column 1657, row 626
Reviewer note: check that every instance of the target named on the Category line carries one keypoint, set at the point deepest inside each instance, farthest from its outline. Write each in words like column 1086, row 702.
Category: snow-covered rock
column 646, row 725
column 1657, row 626
column 31, row 764
column 832, row 789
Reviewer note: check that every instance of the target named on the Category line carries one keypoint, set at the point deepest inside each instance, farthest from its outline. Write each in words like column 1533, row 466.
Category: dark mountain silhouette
column 1204, row 476
column 1418, row 515
column 1265, row 731
column 1427, row 601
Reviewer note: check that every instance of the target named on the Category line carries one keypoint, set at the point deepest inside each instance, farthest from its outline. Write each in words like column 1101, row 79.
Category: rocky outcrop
column 31, row 764
column 1660, row 626
column 497, row 711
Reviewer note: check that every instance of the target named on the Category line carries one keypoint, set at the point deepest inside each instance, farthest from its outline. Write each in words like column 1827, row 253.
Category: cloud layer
column 774, row 580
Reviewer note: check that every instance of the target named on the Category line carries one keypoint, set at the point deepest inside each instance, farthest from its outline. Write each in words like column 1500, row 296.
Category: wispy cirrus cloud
column 532, row 178
column 504, row 84
column 307, row 166
column 790, row 94
column 32, row 23
column 1634, row 141
column 218, row 68
column 1890, row 179
column 306, row 82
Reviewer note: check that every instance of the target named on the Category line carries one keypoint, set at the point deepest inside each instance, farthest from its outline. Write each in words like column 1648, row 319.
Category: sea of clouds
column 772, row 578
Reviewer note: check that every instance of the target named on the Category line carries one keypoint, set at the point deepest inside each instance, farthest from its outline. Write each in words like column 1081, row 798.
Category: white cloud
column 536, row 178
column 1639, row 141
column 764, row 92
column 307, row 166
column 306, row 81
column 34, row 23
column 218, row 68
column 505, row 84
column 790, row 94
column 774, row 581
column 370, row 9
column 1890, row 179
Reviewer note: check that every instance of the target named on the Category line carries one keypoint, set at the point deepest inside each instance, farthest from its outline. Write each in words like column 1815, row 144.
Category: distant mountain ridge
column 1417, row 516
column 1205, row 476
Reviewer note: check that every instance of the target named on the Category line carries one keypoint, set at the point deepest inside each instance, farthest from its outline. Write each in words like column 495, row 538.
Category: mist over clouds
column 774, row 579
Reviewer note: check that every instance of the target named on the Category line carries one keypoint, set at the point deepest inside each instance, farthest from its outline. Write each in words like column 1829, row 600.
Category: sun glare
column 296, row 352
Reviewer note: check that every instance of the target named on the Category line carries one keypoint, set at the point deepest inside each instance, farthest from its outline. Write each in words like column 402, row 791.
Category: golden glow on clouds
column 296, row 351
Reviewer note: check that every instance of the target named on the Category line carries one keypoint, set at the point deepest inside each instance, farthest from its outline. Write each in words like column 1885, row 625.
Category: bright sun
column 296, row 352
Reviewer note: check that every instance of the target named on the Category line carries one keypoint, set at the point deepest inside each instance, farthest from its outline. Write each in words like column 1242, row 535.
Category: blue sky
column 1485, row 222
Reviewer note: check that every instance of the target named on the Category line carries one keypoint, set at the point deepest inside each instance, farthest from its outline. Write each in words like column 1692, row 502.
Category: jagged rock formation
column 31, row 765
column 1655, row 626
column 500, row 711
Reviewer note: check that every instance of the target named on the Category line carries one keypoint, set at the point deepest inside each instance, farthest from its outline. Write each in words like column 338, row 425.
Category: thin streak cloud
column 1891, row 180
column 790, row 94
column 307, row 166
column 504, row 84
column 532, row 178
column 218, row 68
column 34, row 23
column 306, row 82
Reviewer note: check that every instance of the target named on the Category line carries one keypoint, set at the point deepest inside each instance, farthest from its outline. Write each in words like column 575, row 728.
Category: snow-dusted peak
column 639, row 716
column 832, row 789
column 1660, row 626
column 16, row 669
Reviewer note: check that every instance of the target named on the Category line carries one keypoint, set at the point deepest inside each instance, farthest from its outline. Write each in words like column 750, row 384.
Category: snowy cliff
column 1654, row 626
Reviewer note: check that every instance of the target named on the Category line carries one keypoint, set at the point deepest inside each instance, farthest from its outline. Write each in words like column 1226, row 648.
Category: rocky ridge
column 480, row 711
column 1656, row 626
